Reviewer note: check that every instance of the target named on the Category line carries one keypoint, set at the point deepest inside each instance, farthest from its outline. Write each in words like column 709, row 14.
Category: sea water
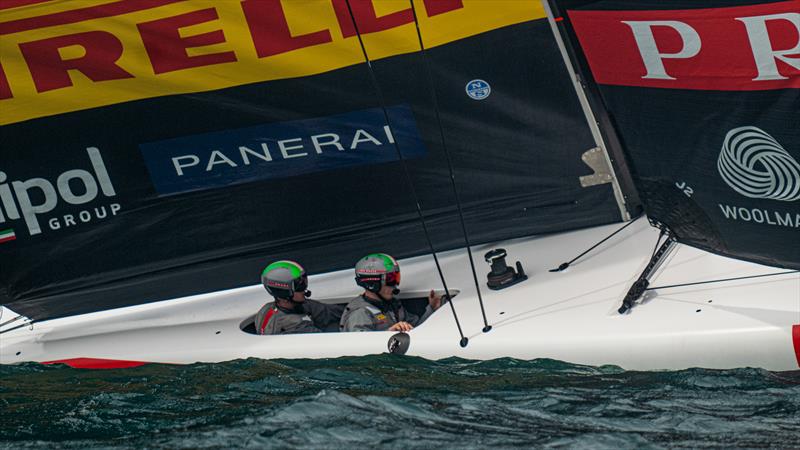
column 396, row 402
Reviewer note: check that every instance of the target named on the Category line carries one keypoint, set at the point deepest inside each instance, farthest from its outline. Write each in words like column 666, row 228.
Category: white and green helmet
column 376, row 270
column 283, row 278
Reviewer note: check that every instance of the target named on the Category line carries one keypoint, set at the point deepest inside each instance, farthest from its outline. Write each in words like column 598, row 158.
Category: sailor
column 377, row 309
column 292, row 311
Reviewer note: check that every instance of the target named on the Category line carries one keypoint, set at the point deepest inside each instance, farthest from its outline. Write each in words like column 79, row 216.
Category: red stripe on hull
column 7, row 239
column 796, row 341
column 95, row 363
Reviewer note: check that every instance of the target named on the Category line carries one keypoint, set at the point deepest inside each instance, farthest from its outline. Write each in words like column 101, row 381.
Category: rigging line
column 24, row 324
column 722, row 279
column 11, row 320
column 563, row 266
column 434, row 97
column 379, row 93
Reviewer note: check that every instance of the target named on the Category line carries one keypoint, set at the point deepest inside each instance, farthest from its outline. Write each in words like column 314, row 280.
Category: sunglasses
column 393, row 279
column 302, row 285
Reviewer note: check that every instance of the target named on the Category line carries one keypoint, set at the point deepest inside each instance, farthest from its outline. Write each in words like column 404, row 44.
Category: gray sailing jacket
column 362, row 315
column 317, row 317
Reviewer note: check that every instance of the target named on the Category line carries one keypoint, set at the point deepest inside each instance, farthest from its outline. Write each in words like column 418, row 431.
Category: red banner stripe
column 9, row 4
column 80, row 15
column 97, row 363
column 737, row 48
column 796, row 342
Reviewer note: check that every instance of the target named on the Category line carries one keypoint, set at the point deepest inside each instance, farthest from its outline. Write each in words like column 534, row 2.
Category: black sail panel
column 507, row 131
column 705, row 100
column 143, row 169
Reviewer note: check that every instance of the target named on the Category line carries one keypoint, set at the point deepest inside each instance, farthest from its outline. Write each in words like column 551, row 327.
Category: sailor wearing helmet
column 377, row 309
column 292, row 311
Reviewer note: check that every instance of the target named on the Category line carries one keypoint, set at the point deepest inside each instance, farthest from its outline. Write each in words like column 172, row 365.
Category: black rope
column 24, row 324
column 723, row 279
column 17, row 327
column 11, row 320
column 434, row 97
column 563, row 266
column 464, row 340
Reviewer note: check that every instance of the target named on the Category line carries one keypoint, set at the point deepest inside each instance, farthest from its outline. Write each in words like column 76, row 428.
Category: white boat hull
column 569, row 316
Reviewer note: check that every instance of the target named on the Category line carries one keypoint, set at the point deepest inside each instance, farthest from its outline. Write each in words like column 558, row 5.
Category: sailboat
column 628, row 171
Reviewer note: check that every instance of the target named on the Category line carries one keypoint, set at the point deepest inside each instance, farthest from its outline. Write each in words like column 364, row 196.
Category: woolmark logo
column 755, row 165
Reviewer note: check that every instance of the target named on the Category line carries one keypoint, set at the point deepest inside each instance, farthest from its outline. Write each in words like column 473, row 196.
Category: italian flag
column 7, row 235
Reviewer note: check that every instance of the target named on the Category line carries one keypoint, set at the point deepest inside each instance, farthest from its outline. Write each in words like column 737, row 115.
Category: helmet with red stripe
column 283, row 278
column 377, row 270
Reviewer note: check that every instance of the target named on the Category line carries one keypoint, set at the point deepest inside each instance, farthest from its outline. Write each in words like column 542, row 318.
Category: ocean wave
column 396, row 402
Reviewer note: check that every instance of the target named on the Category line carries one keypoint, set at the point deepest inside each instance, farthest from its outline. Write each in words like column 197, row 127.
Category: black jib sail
column 703, row 98
column 163, row 148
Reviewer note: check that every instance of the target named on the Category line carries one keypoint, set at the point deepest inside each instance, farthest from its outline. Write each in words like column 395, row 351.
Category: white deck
column 569, row 316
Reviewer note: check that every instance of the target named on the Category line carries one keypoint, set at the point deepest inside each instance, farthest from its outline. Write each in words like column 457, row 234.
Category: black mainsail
column 158, row 149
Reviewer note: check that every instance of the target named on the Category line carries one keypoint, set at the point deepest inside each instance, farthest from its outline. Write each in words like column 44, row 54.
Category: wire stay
column 564, row 266
column 379, row 93
column 434, row 97
column 722, row 280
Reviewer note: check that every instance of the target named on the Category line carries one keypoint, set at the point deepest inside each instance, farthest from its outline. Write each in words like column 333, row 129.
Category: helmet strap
column 384, row 298
column 298, row 306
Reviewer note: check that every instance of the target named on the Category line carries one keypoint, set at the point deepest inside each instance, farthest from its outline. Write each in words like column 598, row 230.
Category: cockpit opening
column 414, row 302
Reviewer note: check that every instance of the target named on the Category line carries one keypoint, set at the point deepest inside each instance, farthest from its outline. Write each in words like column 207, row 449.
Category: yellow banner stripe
column 44, row 68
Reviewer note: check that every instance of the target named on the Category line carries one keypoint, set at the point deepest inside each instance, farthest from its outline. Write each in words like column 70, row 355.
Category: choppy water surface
column 396, row 402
